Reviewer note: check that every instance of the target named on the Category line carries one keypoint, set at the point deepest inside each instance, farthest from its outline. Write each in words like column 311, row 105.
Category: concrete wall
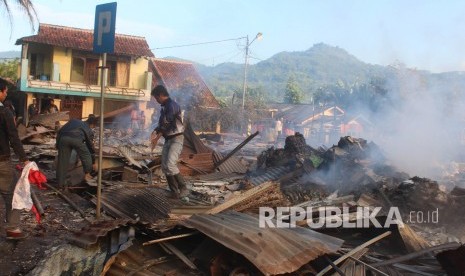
column 88, row 107
column 62, row 57
column 137, row 73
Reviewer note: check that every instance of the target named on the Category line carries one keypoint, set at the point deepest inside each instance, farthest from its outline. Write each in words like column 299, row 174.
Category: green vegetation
column 9, row 69
column 327, row 75
column 293, row 94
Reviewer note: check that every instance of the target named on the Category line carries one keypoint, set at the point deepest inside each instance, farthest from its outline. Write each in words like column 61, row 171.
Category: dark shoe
column 183, row 191
column 173, row 185
column 15, row 234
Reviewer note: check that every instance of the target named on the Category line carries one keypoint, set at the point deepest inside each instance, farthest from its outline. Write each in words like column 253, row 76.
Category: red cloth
column 37, row 178
column 36, row 213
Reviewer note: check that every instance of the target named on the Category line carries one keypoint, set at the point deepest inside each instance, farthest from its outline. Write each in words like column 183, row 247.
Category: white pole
column 245, row 71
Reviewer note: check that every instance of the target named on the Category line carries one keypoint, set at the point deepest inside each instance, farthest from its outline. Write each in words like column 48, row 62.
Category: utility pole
column 247, row 45
column 245, row 71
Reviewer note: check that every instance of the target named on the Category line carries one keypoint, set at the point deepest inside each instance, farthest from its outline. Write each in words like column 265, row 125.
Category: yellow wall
column 137, row 74
column 63, row 57
column 87, row 107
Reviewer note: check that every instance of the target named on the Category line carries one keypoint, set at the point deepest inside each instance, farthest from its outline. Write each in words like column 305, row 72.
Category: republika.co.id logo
column 328, row 217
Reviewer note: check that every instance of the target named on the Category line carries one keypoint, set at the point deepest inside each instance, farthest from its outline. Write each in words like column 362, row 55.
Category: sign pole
column 104, row 42
column 103, row 83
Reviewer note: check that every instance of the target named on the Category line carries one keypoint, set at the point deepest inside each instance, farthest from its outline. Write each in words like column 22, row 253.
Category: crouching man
column 76, row 135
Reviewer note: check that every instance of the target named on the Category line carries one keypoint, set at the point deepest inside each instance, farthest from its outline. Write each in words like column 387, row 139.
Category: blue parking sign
column 104, row 28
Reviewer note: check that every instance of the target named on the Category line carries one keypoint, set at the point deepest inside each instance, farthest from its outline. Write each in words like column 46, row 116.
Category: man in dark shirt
column 75, row 135
column 8, row 178
column 33, row 109
column 171, row 127
column 52, row 108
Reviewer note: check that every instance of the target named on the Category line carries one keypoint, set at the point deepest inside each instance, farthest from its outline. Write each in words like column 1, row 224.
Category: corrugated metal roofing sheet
column 141, row 260
column 232, row 165
column 89, row 235
column 272, row 250
column 215, row 176
column 193, row 145
column 147, row 205
column 270, row 174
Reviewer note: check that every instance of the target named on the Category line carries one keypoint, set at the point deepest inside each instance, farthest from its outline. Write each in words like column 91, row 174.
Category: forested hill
column 321, row 65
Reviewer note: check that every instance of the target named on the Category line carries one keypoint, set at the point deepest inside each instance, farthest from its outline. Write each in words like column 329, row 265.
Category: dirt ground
column 58, row 222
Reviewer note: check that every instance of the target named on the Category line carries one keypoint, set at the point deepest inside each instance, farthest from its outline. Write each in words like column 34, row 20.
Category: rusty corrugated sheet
column 268, row 194
column 147, row 205
column 89, row 235
column 232, row 165
column 141, row 260
column 192, row 143
column 193, row 146
column 194, row 164
column 272, row 250
column 270, row 174
column 216, row 176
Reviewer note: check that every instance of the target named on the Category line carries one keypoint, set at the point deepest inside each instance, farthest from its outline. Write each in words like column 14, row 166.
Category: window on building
column 77, row 69
column 118, row 72
column 84, row 68
column 37, row 65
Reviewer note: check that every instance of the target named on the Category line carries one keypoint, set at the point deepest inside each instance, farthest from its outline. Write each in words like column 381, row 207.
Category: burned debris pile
column 251, row 211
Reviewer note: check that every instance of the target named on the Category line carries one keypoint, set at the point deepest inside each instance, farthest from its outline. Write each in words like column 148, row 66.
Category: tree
column 256, row 97
column 293, row 94
column 9, row 69
column 24, row 5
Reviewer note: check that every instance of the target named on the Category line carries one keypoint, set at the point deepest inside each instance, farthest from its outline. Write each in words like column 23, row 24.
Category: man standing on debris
column 142, row 120
column 135, row 119
column 33, row 109
column 279, row 127
column 77, row 135
column 171, row 127
column 52, row 108
column 8, row 178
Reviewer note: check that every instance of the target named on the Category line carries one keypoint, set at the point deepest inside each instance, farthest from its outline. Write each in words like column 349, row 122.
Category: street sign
column 104, row 28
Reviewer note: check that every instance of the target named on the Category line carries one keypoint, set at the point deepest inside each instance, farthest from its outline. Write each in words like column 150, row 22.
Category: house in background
column 319, row 125
column 359, row 126
column 177, row 76
column 187, row 87
column 58, row 63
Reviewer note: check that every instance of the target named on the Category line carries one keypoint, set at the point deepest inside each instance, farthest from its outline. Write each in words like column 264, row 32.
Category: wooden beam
column 170, row 238
column 353, row 251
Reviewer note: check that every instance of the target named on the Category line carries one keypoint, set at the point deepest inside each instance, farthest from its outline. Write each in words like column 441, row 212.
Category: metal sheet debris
column 272, row 250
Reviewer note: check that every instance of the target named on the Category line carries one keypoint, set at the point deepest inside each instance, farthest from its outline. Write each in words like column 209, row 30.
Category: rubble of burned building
column 217, row 232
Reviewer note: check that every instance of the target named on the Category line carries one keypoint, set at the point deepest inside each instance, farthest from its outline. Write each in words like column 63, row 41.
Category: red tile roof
column 82, row 39
column 175, row 74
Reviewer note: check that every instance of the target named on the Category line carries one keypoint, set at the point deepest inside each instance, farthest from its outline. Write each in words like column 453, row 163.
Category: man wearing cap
column 8, row 178
column 76, row 135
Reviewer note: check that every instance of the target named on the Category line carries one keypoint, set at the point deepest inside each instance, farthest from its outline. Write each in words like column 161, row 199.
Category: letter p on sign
column 104, row 28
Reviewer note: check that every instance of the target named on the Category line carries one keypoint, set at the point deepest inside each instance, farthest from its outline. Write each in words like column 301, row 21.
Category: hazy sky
column 423, row 34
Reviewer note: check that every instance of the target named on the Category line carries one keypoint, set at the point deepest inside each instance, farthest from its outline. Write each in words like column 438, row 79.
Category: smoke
column 420, row 130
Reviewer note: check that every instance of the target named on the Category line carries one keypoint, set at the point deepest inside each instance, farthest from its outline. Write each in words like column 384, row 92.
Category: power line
column 200, row 43
column 229, row 55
